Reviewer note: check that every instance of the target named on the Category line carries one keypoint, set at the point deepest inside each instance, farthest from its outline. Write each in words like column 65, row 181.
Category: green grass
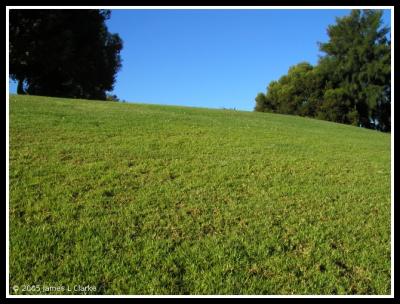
column 147, row 199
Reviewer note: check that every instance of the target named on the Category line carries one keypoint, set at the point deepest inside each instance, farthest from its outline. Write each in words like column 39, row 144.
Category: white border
column 392, row 146
column 7, row 158
column 205, row 8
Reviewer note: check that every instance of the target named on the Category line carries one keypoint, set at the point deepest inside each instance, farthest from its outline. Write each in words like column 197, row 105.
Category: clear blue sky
column 213, row 58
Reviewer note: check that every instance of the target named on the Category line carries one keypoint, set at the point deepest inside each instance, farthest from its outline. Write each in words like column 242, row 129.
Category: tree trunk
column 20, row 88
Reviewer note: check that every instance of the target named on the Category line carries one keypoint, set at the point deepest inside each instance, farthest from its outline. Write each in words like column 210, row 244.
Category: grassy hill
column 148, row 199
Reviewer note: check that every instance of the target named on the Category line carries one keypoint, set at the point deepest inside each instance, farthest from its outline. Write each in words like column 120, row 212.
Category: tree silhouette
column 63, row 53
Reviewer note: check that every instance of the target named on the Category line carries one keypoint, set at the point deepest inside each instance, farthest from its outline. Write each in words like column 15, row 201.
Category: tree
column 260, row 103
column 290, row 94
column 350, row 84
column 358, row 53
column 64, row 53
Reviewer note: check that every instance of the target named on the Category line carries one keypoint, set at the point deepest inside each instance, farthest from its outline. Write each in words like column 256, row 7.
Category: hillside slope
column 147, row 199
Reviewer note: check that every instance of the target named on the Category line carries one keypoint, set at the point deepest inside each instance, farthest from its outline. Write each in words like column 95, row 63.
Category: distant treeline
column 351, row 84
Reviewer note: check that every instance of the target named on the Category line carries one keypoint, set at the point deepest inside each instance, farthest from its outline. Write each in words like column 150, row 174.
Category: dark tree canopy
column 351, row 84
column 63, row 53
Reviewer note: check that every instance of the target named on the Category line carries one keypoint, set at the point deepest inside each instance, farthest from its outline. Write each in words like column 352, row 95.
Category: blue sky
column 213, row 58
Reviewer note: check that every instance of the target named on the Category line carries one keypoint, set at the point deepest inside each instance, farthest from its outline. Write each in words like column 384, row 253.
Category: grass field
column 147, row 199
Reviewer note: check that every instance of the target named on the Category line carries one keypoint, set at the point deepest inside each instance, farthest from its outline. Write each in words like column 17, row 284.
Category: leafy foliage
column 64, row 53
column 351, row 83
